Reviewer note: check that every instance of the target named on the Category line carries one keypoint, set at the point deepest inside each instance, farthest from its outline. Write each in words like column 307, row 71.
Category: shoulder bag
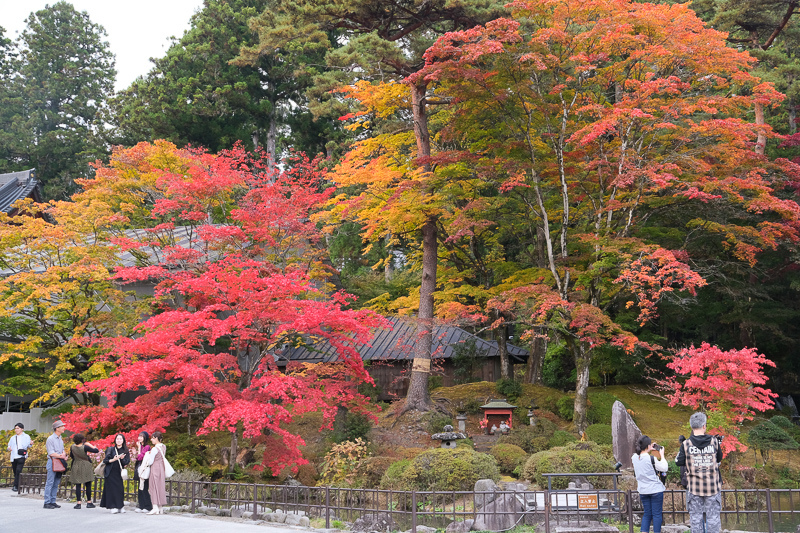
column 59, row 465
column 100, row 469
column 168, row 470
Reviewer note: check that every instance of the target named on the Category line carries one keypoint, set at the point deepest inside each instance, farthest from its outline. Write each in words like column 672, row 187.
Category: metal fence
column 751, row 509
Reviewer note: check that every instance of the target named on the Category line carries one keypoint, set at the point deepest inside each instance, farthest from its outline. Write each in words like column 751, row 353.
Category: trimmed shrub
column 393, row 477
column 509, row 388
column 599, row 433
column 355, row 426
column 565, row 407
column 434, row 421
column 560, row 438
column 577, row 457
column 508, row 457
column 443, row 469
column 371, row 470
column 786, row 425
column 531, row 439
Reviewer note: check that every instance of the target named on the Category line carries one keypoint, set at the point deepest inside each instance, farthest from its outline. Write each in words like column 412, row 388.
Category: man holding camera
column 18, row 445
column 701, row 455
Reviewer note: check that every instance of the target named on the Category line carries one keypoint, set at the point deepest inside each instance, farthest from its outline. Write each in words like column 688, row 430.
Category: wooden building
column 389, row 353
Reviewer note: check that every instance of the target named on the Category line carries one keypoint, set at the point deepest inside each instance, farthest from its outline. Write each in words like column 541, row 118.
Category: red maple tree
column 226, row 306
column 721, row 381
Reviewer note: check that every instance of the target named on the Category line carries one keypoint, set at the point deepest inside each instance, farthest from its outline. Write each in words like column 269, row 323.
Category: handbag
column 100, row 470
column 124, row 474
column 59, row 465
column 168, row 470
column 144, row 471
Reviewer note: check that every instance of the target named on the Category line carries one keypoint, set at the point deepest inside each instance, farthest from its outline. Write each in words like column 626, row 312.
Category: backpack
column 662, row 476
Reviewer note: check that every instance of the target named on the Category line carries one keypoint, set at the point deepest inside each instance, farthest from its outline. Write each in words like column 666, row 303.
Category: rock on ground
column 374, row 522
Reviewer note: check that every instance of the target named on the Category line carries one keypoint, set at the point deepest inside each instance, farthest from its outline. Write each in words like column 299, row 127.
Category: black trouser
column 88, row 487
column 16, row 467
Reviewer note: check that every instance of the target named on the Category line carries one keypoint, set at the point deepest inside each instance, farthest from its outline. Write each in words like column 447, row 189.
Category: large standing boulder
column 481, row 488
column 624, row 434
column 500, row 515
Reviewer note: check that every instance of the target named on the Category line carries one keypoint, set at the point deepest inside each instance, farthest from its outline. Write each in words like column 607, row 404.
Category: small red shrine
column 497, row 411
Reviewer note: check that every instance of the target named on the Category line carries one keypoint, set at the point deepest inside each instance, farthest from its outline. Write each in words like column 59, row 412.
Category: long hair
column 642, row 444
column 146, row 438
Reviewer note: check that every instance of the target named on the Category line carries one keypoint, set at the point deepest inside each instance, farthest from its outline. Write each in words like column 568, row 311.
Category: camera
column 718, row 437
column 617, row 466
column 657, row 447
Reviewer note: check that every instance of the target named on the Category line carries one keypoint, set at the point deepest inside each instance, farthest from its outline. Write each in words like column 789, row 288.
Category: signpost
column 587, row 502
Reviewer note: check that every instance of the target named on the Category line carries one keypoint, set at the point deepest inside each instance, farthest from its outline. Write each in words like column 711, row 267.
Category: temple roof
column 398, row 343
column 17, row 185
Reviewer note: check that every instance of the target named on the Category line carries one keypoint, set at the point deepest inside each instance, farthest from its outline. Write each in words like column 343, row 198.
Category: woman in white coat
column 650, row 487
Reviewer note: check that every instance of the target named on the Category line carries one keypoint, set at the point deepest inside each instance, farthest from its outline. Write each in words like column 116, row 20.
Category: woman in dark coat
column 117, row 457
column 139, row 450
column 82, row 473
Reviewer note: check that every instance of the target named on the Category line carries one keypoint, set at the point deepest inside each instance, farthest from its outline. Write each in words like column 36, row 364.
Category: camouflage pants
column 711, row 506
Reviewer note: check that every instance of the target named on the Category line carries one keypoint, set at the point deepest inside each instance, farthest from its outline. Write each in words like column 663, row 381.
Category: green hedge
column 441, row 469
column 508, row 457
column 576, row 457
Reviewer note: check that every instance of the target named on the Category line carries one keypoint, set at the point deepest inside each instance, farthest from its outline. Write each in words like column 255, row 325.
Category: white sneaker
column 114, row 511
column 122, row 510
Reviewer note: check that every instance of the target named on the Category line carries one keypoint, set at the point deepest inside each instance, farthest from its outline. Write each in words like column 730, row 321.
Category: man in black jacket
column 701, row 455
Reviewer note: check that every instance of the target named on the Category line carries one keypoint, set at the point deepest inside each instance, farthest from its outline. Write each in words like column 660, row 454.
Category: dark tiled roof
column 397, row 344
column 17, row 185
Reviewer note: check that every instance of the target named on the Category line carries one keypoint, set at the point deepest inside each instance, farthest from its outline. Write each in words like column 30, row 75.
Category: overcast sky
column 136, row 30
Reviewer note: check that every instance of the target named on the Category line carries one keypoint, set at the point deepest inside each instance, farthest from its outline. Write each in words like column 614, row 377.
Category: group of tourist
column 699, row 458
column 147, row 454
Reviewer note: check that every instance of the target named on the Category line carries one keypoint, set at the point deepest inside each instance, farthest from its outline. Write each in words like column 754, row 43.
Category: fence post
column 327, row 507
column 547, row 503
column 194, row 483
column 255, row 501
column 413, row 511
column 629, row 505
column 769, row 513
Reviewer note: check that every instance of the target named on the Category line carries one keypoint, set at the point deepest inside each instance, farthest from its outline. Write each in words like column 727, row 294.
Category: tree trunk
column 234, row 451
column 388, row 267
column 761, row 140
column 502, row 348
column 272, row 139
column 418, row 397
column 583, row 357
column 792, row 116
column 533, row 370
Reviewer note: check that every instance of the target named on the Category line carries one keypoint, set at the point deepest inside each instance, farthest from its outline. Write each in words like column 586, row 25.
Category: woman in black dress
column 138, row 452
column 117, row 457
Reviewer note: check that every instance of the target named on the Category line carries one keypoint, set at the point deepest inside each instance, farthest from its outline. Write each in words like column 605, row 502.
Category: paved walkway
column 25, row 514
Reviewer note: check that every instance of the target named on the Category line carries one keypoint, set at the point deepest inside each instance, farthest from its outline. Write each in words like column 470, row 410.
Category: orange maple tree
column 592, row 116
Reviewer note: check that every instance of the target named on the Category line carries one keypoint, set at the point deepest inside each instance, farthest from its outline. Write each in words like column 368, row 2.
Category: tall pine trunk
column 418, row 396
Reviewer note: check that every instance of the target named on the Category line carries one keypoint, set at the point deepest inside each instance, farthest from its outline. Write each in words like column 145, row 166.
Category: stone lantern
column 448, row 437
column 531, row 414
